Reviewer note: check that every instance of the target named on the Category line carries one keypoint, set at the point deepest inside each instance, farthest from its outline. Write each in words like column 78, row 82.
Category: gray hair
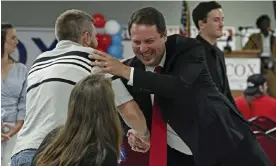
column 71, row 25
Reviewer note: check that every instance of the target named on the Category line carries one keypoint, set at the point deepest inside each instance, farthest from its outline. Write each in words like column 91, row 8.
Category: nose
column 16, row 41
column 221, row 23
column 143, row 48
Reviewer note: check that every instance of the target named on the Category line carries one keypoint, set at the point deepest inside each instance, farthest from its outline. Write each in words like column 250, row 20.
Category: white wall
column 43, row 14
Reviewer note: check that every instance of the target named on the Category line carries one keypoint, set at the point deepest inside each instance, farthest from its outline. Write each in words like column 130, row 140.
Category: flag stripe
column 185, row 19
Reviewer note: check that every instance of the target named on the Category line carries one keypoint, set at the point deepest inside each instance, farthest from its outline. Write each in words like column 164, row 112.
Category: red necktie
column 158, row 141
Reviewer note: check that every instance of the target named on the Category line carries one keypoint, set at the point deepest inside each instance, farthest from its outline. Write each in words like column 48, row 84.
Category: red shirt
column 262, row 106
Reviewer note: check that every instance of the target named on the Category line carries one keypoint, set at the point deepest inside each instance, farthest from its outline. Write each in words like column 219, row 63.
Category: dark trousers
column 176, row 158
column 249, row 153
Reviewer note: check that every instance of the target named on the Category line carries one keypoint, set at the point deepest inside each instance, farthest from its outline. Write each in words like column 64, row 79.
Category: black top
column 217, row 68
column 110, row 159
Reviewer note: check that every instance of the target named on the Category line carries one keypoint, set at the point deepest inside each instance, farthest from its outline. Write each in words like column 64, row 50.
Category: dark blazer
column 221, row 83
column 189, row 101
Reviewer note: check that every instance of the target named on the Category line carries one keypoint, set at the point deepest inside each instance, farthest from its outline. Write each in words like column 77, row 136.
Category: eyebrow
column 151, row 38
column 218, row 17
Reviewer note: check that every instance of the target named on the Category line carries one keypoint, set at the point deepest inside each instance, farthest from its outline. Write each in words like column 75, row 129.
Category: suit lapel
column 171, row 53
column 223, row 69
column 136, row 63
column 224, row 79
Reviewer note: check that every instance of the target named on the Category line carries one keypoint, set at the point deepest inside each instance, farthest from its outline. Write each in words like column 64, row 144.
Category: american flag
column 185, row 20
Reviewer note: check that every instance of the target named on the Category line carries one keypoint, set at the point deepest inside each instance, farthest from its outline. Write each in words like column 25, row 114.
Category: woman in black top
column 92, row 133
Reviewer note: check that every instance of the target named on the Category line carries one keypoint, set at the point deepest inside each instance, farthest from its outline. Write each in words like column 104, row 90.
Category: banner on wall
column 239, row 69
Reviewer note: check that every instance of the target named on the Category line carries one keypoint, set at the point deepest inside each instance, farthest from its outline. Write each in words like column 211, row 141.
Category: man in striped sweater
column 51, row 79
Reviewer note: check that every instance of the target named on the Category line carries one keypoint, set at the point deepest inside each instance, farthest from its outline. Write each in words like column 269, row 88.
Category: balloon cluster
column 109, row 36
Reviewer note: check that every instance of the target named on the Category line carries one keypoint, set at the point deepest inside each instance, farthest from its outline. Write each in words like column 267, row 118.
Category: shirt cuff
column 130, row 82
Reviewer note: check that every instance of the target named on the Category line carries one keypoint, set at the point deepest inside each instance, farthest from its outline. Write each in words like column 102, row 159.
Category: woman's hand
column 12, row 130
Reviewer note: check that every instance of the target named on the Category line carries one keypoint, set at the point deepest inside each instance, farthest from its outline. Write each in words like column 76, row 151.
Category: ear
column 201, row 24
column 86, row 38
column 261, row 88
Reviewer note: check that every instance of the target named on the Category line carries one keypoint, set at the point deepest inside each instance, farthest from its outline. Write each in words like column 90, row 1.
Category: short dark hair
column 260, row 19
column 253, row 83
column 202, row 10
column 148, row 16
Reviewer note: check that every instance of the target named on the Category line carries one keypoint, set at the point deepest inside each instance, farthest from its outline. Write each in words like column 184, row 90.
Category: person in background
column 255, row 101
column 13, row 92
column 92, row 134
column 265, row 42
column 209, row 20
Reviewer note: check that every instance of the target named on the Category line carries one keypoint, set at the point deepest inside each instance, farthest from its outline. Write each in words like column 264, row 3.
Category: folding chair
column 268, row 144
column 262, row 123
column 272, row 133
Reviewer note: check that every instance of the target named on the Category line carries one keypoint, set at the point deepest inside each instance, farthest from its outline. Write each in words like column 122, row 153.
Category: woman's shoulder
column 21, row 67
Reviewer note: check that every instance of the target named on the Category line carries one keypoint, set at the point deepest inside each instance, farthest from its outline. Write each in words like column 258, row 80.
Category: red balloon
column 99, row 20
column 101, row 48
column 105, row 40
column 99, row 37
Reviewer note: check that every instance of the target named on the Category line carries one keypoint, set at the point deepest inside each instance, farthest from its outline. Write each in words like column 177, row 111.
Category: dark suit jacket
column 211, row 53
column 189, row 101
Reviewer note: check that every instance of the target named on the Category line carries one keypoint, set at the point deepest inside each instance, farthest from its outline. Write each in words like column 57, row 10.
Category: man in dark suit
column 201, row 122
column 208, row 18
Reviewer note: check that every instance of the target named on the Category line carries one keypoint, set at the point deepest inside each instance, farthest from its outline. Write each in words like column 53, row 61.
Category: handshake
column 138, row 142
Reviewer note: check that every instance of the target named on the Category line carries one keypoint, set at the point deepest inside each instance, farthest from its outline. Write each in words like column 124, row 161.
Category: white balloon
column 112, row 27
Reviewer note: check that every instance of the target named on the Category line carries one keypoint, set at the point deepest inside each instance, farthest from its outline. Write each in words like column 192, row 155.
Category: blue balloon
column 117, row 39
column 116, row 51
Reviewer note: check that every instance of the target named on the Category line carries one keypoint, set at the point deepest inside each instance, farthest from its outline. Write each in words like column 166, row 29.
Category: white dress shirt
column 173, row 140
column 266, row 46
